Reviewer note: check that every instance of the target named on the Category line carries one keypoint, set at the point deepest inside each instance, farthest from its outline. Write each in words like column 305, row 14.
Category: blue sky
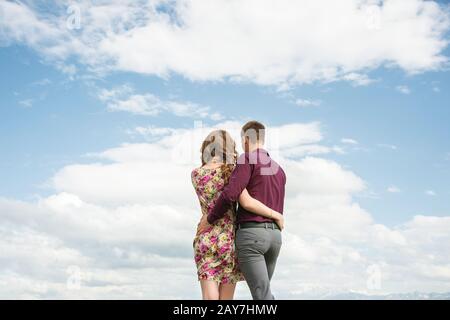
column 66, row 121
column 92, row 109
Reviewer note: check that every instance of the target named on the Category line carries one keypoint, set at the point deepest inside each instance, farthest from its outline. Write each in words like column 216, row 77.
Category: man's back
column 267, row 184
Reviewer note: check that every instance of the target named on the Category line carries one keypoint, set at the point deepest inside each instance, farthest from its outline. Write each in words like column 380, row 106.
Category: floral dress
column 214, row 249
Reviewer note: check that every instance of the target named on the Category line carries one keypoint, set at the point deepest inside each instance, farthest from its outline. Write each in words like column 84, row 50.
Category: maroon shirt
column 265, row 181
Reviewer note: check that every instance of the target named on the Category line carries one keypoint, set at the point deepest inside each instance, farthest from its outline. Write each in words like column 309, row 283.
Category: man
column 258, row 238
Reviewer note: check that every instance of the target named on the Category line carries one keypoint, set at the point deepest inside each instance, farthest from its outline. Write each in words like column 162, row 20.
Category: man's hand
column 279, row 220
column 203, row 225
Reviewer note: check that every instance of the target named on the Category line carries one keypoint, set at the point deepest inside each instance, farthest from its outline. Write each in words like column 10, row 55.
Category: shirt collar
column 260, row 150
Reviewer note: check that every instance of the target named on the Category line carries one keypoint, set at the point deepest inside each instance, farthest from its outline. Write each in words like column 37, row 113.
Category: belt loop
column 273, row 226
column 265, row 225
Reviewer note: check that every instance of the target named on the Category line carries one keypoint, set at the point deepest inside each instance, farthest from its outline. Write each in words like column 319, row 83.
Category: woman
column 217, row 266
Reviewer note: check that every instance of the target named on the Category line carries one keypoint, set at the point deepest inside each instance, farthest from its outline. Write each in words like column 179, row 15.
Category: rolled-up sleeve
column 238, row 182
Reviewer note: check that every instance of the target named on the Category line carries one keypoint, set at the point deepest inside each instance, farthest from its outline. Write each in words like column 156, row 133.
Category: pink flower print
column 213, row 272
column 205, row 180
column 224, row 249
column 214, row 248
column 203, row 248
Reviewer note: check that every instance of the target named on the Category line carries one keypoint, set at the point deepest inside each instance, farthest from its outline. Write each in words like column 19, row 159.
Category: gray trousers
column 257, row 251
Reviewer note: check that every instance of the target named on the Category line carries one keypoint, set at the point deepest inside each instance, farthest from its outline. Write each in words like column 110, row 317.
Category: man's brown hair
column 255, row 131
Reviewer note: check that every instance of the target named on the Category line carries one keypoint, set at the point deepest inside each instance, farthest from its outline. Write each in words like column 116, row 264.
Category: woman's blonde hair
column 219, row 143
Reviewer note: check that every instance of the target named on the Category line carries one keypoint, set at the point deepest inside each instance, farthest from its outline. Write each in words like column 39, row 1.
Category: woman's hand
column 279, row 219
column 203, row 225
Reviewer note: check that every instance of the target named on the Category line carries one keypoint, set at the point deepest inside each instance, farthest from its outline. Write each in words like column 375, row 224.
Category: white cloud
column 307, row 103
column 123, row 98
column 349, row 141
column 146, row 104
column 430, row 193
column 291, row 135
column 310, row 149
column 127, row 219
column 229, row 39
column 27, row 103
column 152, row 131
column 116, row 93
column 403, row 89
column 42, row 82
column 393, row 189
column 387, row 146
column 358, row 79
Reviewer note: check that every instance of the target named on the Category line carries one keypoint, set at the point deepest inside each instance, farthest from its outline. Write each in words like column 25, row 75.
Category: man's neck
column 254, row 147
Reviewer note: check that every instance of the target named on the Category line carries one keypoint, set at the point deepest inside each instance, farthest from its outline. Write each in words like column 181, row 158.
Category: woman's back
column 214, row 248
column 208, row 183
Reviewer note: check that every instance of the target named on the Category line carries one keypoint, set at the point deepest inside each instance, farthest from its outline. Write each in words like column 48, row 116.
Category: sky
column 104, row 106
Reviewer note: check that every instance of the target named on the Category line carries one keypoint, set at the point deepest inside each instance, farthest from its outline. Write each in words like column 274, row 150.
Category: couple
column 235, row 245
